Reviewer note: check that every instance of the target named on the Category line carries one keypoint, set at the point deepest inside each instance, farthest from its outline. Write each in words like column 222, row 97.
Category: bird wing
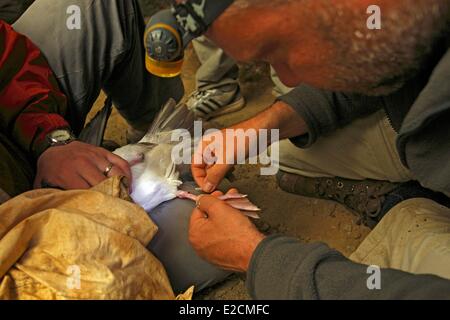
column 171, row 117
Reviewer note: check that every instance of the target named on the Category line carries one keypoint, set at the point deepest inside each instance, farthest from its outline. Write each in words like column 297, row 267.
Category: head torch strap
column 195, row 16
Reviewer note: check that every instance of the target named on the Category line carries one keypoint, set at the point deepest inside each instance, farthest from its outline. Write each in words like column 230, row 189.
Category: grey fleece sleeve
column 325, row 111
column 285, row 268
column 424, row 138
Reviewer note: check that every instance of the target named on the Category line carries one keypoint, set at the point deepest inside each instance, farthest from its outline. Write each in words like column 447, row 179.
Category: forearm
column 284, row 268
column 325, row 111
column 280, row 116
column 306, row 113
column 30, row 129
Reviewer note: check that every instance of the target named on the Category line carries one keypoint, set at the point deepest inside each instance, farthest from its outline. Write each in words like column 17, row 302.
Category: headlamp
column 170, row 31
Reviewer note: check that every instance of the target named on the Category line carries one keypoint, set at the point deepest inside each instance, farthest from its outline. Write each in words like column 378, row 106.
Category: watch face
column 60, row 135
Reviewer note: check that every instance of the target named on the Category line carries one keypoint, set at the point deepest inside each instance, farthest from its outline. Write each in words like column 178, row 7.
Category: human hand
column 208, row 173
column 222, row 235
column 78, row 165
column 211, row 161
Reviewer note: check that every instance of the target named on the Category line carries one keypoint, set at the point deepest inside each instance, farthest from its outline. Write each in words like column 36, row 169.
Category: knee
column 418, row 208
column 171, row 246
column 416, row 218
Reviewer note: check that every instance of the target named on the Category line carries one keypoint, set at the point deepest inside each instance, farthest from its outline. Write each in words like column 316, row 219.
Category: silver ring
column 197, row 205
column 108, row 169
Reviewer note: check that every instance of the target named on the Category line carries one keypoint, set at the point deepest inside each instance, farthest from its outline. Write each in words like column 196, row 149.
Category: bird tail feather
column 170, row 118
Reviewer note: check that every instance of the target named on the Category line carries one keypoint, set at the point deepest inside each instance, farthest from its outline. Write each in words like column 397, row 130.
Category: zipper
column 389, row 120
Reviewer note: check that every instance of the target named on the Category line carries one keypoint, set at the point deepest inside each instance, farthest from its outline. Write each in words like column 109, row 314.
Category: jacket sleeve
column 31, row 104
column 284, row 268
column 11, row 10
column 424, row 139
column 325, row 111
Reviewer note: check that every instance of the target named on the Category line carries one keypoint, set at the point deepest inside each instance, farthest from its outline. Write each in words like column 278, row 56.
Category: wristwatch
column 60, row 137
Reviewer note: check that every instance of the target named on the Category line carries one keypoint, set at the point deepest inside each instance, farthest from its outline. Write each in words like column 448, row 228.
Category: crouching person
column 44, row 105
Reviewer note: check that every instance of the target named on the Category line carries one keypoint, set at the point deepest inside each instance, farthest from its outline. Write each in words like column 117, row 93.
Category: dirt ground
column 307, row 219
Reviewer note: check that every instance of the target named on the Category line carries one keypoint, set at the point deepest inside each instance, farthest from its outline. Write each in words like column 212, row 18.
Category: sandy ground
column 307, row 219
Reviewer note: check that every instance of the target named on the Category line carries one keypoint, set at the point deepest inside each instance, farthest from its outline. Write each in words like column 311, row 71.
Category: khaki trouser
column 365, row 149
column 415, row 235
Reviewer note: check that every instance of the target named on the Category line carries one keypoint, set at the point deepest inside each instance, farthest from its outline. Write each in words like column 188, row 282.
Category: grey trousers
column 107, row 53
column 218, row 70
column 171, row 247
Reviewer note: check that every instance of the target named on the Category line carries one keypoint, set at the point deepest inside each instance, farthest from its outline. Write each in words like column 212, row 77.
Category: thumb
column 203, row 211
column 212, row 207
column 214, row 176
column 198, row 215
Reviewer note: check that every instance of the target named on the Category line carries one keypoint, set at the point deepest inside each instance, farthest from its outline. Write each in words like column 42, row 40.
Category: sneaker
column 365, row 197
column 211, row 103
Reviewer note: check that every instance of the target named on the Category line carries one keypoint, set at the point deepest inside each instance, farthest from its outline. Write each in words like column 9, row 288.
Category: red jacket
column 31, row 104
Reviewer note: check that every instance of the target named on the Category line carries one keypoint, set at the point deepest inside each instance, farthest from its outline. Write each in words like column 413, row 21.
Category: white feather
column 156, row 180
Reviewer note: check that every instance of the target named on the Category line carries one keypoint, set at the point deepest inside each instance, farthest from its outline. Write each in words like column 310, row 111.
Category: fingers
column 217, row 193
column 211, row 204
column 209, row 178
column 115, row 171
column 92, row 172
column 233, row 191
column 78, row 182
column 207, row 169
column 65, row 181
column 207, row 205
column 198, row 173
column 119, row 163
column 78, row 166
column 198, row 216
column 104, row 159
column 214, row 176
column 71, row 181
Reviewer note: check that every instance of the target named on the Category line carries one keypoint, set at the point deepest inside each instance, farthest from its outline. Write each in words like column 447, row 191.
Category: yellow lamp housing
column 163, row 46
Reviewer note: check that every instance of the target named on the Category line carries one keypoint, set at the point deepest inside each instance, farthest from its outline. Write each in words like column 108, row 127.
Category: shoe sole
column 233, row 107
